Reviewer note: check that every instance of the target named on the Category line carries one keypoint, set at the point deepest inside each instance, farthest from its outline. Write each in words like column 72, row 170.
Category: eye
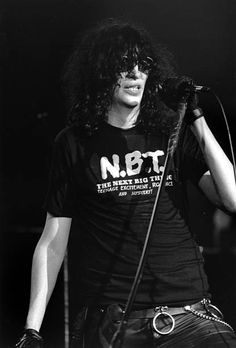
column 149, row 60
column 127, row 63
column 146, row 63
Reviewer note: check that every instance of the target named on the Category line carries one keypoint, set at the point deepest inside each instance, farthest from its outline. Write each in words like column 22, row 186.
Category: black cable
column 117, row 338
column 228, row 133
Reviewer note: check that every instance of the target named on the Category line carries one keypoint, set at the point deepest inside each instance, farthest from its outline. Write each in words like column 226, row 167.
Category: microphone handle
column 198, row 88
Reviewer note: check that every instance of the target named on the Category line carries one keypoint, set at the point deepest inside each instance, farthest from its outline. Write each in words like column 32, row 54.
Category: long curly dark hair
column 92, row 71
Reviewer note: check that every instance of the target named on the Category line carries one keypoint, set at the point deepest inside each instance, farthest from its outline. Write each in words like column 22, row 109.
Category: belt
column 162, row 313
column 151, row 312
column 163, row 321
column 116, row 312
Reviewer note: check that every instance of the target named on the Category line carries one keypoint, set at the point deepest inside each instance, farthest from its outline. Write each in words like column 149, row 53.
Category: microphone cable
column 228, row 132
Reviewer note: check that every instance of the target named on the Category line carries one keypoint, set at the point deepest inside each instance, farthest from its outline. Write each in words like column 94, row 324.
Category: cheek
column 145, row 77
column 116, row 90
column 117, row 86
column 117, row 95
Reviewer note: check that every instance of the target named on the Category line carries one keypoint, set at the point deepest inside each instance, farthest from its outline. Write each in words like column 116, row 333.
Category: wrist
column 197, row 112
column 33, row 333
column 30, row 330
column 194, row 115
column 32, row 327
column 30, row 338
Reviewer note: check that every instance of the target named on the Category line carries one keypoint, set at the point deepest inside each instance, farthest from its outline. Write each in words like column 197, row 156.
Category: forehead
column 132, row 53
column 128, row 41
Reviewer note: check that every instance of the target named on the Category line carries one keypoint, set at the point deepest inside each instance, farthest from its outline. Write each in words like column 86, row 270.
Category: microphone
column 199, row 88
column 190, row 85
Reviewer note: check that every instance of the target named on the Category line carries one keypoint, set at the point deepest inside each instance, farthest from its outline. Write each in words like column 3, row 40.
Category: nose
column 135, row 73
column 136, row 69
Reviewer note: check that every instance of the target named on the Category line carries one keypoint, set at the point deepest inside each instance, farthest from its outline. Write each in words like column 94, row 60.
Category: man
column 124, row 99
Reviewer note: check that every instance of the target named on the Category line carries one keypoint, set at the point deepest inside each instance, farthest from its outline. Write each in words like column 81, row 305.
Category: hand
column 30, row 339
column 176, row 90
column 179, row 90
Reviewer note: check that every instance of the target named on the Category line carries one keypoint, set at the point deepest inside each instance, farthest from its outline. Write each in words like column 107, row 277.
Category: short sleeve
column 59, row 199
column 193, row 164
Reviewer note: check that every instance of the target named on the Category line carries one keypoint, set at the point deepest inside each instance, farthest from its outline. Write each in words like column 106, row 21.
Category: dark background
column 36, row 36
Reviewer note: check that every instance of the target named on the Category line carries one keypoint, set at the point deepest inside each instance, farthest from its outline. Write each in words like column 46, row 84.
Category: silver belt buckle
column 163, row 313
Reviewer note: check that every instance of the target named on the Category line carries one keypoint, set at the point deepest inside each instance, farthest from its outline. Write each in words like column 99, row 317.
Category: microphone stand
column 118, row 337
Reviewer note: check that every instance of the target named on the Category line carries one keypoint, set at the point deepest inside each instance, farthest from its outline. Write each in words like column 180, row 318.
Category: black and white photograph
column 117, row 174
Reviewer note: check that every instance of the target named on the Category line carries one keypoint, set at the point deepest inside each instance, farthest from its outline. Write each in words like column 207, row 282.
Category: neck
column 122, row 117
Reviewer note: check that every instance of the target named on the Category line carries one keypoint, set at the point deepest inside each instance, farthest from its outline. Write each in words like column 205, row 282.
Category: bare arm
column 218, row 184
column 47, row 259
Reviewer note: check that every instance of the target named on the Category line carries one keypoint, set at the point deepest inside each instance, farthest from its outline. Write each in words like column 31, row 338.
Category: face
column 130, row 88
column 134, row 70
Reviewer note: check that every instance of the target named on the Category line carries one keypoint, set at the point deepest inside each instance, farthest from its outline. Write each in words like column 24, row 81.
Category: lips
column 132, row 86
column 135, row 91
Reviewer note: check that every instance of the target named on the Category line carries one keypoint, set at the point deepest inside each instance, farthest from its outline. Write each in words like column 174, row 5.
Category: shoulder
column 65, row 134
column 70, row 136
column 70, row 141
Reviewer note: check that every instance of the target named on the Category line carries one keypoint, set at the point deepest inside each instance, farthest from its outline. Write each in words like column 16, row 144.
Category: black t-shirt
column 108, row 182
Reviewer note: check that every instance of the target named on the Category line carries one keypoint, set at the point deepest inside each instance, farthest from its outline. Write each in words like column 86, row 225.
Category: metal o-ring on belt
column 163, row 313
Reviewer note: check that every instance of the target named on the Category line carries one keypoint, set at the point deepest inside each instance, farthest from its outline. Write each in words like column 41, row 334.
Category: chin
column 132, row 103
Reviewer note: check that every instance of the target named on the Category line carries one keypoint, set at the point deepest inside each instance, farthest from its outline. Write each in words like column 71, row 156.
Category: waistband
column 117, row 312
column 151, row 312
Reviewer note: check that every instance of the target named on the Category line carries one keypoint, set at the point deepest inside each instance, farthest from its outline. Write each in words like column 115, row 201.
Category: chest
column 124, row 165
